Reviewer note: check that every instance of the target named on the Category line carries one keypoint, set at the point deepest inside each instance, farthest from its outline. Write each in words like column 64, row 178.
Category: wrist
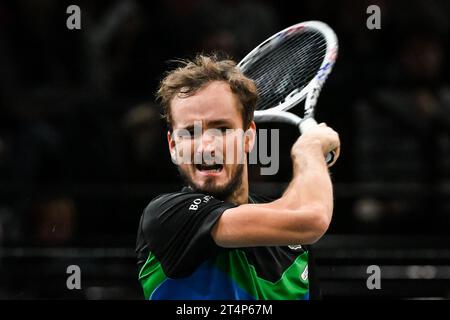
column 307, row 147
column 306, row 152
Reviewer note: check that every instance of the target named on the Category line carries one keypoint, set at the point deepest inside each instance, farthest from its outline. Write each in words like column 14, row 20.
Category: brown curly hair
column 195, row 74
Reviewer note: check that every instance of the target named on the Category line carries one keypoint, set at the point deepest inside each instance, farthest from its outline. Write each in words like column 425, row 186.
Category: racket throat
column 311, row 100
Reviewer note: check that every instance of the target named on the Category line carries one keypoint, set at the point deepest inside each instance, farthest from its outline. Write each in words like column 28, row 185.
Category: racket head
column 291, row 66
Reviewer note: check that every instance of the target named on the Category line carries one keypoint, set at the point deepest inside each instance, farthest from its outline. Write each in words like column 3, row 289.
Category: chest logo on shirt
column 304, row 274
column 195, row 204
column 296, row 247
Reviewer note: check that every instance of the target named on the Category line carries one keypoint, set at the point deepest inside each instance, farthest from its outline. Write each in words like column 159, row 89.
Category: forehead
column 213, row 102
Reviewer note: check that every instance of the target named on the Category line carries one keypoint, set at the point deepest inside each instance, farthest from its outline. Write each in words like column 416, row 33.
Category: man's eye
column 223, row 129
column 185, row 134
column 218, row 132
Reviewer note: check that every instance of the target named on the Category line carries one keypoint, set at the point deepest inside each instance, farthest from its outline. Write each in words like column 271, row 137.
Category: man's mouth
column 206, row 168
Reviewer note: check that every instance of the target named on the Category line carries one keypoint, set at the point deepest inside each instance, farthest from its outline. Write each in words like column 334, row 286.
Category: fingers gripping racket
column 290, row 67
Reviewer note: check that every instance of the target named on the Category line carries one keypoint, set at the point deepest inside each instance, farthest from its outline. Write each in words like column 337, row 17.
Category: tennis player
column 213, row 239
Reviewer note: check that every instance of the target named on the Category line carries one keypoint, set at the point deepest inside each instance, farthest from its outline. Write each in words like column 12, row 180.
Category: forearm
column 302, row 215
column 311, row 184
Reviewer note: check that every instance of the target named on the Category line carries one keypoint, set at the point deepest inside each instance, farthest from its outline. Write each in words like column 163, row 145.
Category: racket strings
column 291, row 72
column 294, row 69
column 288, row 64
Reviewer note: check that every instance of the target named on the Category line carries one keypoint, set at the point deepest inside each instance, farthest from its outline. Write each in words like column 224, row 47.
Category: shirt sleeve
column 177, row 229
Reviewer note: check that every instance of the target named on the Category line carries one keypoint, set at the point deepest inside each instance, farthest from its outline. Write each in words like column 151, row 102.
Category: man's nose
column 206, row 143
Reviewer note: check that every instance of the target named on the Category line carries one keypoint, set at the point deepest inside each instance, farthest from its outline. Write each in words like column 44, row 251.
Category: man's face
column 208, row 140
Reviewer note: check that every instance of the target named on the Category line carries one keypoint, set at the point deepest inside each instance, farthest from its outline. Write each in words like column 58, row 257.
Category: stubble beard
column 210, row 188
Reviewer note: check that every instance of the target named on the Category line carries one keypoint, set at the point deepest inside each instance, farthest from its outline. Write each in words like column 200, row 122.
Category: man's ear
column 250, row 137
column 172, row 147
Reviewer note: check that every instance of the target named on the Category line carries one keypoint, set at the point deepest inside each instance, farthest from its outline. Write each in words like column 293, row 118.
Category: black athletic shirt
column 178, row 258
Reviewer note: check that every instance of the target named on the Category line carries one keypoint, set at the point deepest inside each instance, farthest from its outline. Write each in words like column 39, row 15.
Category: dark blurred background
column 83, row 149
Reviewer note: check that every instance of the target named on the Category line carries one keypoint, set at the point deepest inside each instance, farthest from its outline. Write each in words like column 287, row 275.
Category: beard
column 209, row 187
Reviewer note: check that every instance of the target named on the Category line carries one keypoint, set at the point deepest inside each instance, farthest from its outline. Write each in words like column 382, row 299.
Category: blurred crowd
column 77, row 106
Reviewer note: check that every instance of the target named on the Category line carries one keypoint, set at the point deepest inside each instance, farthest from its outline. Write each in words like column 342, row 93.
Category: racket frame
column 310, row 92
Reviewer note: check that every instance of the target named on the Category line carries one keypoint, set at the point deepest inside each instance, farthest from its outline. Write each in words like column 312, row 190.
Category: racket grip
column 306, row 125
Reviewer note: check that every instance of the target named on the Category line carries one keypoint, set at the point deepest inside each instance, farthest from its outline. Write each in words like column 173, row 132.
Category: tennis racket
column 290, row 67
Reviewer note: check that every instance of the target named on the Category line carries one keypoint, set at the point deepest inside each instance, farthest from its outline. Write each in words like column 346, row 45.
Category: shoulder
column 166, row 199
column 165, row 203
column 177, row 201
column 171, row 207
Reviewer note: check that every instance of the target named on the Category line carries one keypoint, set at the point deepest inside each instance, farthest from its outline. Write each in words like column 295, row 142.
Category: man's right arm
column 302, row 215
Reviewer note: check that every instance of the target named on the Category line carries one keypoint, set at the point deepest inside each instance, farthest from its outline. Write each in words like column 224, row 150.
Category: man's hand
column 321, row 139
